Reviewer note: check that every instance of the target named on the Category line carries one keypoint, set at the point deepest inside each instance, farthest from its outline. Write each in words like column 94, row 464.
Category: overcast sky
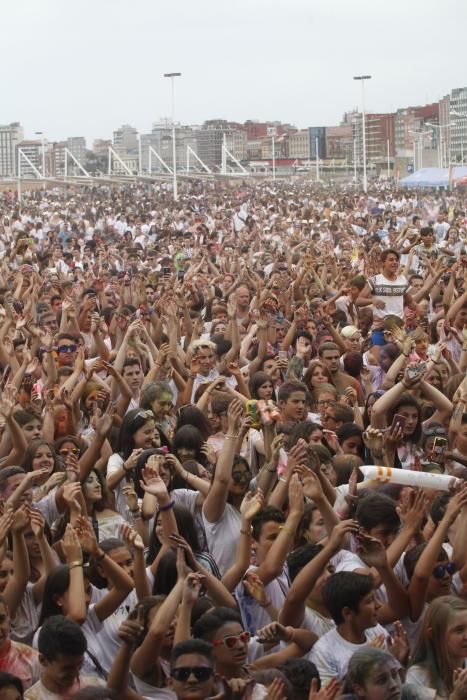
column 84, row 68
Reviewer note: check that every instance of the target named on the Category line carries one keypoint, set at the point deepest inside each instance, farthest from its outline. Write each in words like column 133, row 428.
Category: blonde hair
column 431, row 651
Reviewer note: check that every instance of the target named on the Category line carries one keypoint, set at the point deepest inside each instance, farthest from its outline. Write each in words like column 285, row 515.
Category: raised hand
column 132, row 460
column 192, row 588
column 371, row 551
column 398, row 644
column 374, row 440
column 86, row 535
column 255, row 588
column 152, row 481
column 37, row 522
column 71, row 545
column 234, row 416
column 131, row 537
column 131, row 497
column 181, row 543
column 312, row 487
column 330, row 692
column 251, row 505
column 296, row 502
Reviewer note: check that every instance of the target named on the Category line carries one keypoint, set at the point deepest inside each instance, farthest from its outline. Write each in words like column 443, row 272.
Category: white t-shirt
column 316, row 623
column 331, row 654
column 27, row 617
column 222, row 537
column 419, row 676
column 391, row 292
column 254, row 616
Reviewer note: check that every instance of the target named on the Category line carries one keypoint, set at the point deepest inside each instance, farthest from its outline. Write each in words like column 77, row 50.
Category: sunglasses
column 237, row 477
column 442, row 569
column 67, row 348
column 144, row 414
column 201, row 673
column 65, row 451
column 182, row 408
column 231, row 640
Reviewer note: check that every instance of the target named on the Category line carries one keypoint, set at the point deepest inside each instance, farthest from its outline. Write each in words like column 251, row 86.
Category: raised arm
column 420, row 579
column 293, row 610
column 216, row 500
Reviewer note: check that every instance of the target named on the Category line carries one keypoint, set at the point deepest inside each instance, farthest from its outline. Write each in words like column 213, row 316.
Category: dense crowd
column 187, row 393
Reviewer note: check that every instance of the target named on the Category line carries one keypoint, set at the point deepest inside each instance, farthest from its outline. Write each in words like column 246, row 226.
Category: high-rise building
column 210, row 140
column 160, row 139
column 77, row 146
column 455, row 132
column 339, row 142
column 317, row 140
column 410, row 122
column 10, row 136
column 379, row 132
column 125, row 139
column 299, row 144
column 31, row 158
column 101, row 147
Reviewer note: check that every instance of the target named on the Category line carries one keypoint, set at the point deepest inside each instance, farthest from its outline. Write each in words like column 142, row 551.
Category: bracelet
column 74, row 564
column 290, row 633
column 281, row 478
column 246, row 532
column 288, row 532
column 99, row 557
column 266, row 604
column 134, row 510
column 168, row 506
column 231, row 437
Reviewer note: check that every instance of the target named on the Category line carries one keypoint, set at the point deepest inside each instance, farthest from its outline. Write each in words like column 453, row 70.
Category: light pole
column 174, row 149
column 41, row 133
column 441, row 141
column 362, row 79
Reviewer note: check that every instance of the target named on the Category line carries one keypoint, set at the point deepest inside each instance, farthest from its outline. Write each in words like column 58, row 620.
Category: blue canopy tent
column 434, row 177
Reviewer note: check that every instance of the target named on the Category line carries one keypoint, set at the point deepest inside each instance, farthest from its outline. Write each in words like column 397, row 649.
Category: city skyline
column 85, row 70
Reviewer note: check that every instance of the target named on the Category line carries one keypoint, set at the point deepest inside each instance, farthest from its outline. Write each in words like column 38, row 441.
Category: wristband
column 281, row 478
column 74, row 564
column 288, row 532
column 166, row 507
column 231, row 437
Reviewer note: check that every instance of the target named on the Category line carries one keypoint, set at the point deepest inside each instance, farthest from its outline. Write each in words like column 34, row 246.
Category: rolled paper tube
column 406, row 477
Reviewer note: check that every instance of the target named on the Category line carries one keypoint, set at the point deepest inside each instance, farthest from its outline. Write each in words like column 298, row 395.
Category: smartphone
column 414, row 372
column 398, row 422
column 180, row 274
column 251, row 411
column 439, row 446
column 282, row 355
